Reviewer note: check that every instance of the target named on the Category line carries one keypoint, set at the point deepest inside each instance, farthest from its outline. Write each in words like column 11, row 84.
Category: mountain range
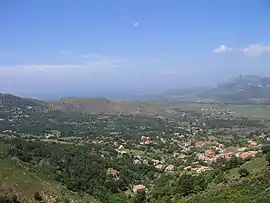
column 244, row 89
column 240, row 90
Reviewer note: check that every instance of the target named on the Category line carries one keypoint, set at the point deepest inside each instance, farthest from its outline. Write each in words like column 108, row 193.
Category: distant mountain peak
column 245, row 88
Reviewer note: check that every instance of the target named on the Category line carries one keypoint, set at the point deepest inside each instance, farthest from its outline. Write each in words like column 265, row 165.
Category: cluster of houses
column 212, row 152
column 210, row 155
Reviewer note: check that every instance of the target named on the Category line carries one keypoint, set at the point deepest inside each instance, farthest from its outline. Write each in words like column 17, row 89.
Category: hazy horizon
column 54, row 49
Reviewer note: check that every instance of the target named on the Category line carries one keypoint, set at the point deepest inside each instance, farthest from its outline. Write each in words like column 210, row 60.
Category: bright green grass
column 253, row 165
column 250, row 189
column 231, row 149
column 3, row 148
column 26, row 183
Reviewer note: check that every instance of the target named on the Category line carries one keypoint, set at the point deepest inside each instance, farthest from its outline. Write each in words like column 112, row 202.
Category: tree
column 220, row 178
column 221, row 163
column 140, row 197
column 66, row 200
column 14, row 198
column 38, row 197
column 243, row 172
column 266, row 148
column 267, row 157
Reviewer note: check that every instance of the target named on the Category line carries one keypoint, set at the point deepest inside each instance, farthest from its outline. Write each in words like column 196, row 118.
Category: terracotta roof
column 209, row 152
column 112, row 171
column 139, row 187
column 159, row 166
column 170, row 167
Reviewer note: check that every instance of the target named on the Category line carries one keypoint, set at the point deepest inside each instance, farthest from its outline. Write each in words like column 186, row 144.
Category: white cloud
column 136, row 24
column 60, row 71
column 256, row 49
column 83, row 75
column 250, row 50
column 222, row 48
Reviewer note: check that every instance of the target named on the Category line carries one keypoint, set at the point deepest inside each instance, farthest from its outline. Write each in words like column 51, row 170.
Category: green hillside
column 253, row 188
column 23, row 183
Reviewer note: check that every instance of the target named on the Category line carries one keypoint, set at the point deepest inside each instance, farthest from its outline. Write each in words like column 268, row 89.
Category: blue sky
column 100, row 47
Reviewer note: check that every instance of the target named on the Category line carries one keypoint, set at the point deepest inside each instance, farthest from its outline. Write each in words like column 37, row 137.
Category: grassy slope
column 254, row 188
column 25, row 183
column 252, row 166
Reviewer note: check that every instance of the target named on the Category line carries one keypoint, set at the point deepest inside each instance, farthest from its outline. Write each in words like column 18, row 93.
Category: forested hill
column 11, row 103
column 71, row 116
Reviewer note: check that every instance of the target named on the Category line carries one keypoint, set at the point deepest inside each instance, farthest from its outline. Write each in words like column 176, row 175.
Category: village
column 189, row 142
column 193, row 156
column 187, row 145
column 190, row 156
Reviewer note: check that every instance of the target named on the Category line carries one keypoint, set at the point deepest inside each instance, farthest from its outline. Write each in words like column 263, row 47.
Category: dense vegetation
column 81, row 168
column 254, row 188
column 188, row 156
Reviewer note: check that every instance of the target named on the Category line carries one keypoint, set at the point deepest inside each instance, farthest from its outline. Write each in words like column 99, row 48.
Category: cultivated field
column 250, row 111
